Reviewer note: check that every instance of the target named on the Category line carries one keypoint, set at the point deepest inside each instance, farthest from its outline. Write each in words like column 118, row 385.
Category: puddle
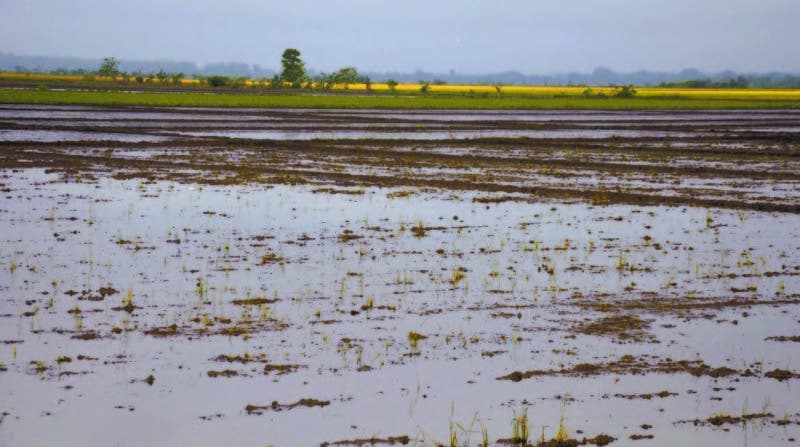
column 60, row 135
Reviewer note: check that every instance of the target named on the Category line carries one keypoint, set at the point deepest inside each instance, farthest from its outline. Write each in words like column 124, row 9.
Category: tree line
column 293, row 75
column 738, row 82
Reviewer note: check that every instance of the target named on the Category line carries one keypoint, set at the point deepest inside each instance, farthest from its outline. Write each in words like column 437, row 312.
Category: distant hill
column 12, row 62
column 599, row 76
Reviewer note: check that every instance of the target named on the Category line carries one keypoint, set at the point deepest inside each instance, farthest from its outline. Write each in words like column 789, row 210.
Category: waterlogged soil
column 731, row 159
column 357, row 291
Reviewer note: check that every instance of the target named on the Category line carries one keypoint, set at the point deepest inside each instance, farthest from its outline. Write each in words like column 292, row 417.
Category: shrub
column 626, row 91
column 217, row 81
column 275, row 83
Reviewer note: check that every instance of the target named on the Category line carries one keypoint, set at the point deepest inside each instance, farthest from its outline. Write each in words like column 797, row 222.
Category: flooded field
column 317, row 277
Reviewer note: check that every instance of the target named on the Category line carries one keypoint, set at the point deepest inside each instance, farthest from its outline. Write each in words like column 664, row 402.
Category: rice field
column 318, row 277
column 77, row 90
column 658, row 100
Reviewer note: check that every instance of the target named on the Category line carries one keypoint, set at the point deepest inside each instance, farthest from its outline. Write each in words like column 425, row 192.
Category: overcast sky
column 476, row 36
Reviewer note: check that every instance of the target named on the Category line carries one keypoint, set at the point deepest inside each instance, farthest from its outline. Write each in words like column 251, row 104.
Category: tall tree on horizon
column 294, row 69
column 109, row 68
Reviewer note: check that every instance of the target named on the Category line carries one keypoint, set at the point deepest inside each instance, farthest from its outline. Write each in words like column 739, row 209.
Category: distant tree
column 109, row 68
column 294, row 69
column 176, row 78
column 738, row 82
column 626, row 91
column 238, row 82
column 392, row 84
column 367, row 83
column 346, row 76
column 139, row 79
column 425, row 87
column 217, row 81
column 162, row 76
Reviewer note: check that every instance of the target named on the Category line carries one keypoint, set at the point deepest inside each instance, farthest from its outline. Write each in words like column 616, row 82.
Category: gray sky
column 476, row 36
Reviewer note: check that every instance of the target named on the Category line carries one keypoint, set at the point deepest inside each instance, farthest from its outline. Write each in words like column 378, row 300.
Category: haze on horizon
column 468, row 36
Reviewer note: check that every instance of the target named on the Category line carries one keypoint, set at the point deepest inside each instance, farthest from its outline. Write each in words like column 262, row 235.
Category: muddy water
column 49, row 136
column 254, row 292
column 428, row 135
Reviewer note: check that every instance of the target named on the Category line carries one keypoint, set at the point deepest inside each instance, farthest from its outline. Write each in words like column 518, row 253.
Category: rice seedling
column 484, row 434
column 200, row 288
column 519, row 427
column 359, row 356
column 127, row 300
column 562, row 434
column 452, row 439
column 368, row 304
column 38, row 366
column 414, row 338
column 457, row 276
column 622, row 261
column 418, row 230
column 784, row 421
